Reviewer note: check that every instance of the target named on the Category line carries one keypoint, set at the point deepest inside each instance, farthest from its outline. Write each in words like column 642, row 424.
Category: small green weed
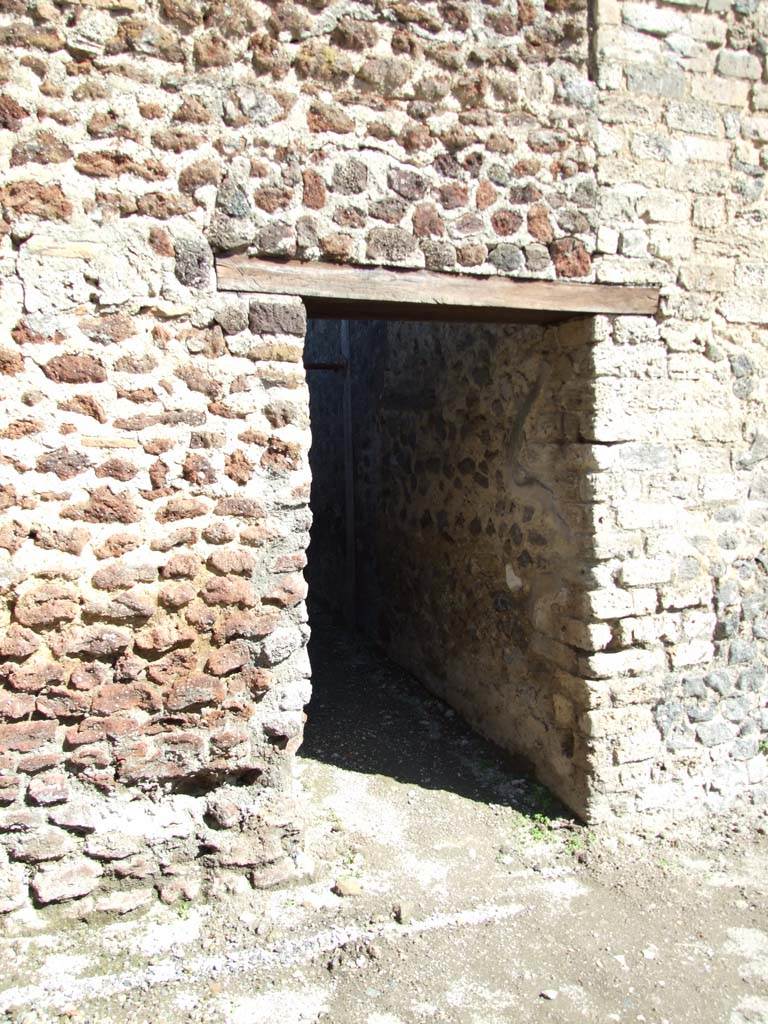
column 574, row 843
column 540, row 827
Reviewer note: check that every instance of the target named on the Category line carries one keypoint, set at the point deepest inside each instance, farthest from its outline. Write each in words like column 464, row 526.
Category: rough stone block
column 638, row 746
column 66, row 880
column 26, row 736
column 35, row 845
column 656, row 80
column 277, row 318
column 692, row 652
column 662, row 205
column 738, row 64
column 714, row 733
column 635, row 662
column 616, row 721
column 645, row 572
column 656, row 21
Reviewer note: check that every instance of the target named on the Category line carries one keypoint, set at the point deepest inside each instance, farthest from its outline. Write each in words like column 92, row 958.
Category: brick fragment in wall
column 85, row 405
column 30, row 198
column 104, row 506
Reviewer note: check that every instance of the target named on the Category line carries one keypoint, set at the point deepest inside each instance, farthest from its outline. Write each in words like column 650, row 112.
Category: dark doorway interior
column 417, row 545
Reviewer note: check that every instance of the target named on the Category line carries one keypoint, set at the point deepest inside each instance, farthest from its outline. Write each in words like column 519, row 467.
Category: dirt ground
column 442, row 888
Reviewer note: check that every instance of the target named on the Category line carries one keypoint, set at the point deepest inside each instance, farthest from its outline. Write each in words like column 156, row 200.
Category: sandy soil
column 443, row 887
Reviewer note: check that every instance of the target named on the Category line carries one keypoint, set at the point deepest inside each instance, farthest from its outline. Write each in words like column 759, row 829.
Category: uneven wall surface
column 154, row 633
column 455, row 135
column 680, row 404
column 154, row 434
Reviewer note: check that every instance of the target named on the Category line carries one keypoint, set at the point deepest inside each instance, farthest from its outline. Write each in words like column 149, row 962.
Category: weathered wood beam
column 345, row 292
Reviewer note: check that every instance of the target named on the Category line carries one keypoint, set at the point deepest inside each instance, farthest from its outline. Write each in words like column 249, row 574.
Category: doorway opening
column 431, row 544
column 474, row 477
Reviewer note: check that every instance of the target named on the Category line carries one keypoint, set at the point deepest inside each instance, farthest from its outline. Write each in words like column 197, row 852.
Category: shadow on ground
column 369, row 715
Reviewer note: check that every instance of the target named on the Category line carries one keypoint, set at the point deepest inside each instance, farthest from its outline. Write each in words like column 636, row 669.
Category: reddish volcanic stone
column 486, row 195
column 290, row 592
column 230, row 591
column 194, row 691
column 570, row 257
column 506, row 222
column 172, row 668
column 184, row 564
column 11, row 362
column 74, row 369
column 26, row 736
column 228, row 658
column 30, row 198
column 248, row 624
column 104, row 506
column 427, row 222
column 181, row 508
column 48, row 788
column 18, row 642
column 233, row 560
column 47, row 605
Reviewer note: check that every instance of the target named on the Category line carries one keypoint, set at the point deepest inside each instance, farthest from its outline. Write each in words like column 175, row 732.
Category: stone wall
column 155, row 497
column 680, row 410
column 154, row 440
column 456, row 135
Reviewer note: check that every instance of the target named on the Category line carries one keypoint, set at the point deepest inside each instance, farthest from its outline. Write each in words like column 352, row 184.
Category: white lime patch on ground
column 360, row 810
column 577, row 995
column 463, row 992
column 66, row 964
column 288, row 1006
column 317, row 897
column 427, row 873
column 723, row 876
column 750, row 1010
column 751, row 945
column 563, row 890
column 287, row 952
column 186, row 1001
column 748, row 942
column 165, row 935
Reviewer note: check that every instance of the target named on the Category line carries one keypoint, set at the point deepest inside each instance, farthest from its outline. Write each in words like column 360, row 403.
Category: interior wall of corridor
column 468, row 533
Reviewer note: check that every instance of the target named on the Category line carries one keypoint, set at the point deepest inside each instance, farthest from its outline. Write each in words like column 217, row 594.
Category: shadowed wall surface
column 471, row 537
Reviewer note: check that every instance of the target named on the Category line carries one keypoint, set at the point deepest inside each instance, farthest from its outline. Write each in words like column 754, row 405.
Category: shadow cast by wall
column 368, row 715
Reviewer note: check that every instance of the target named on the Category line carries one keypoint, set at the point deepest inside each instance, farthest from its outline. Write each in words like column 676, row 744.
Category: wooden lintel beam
column 331, row 289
